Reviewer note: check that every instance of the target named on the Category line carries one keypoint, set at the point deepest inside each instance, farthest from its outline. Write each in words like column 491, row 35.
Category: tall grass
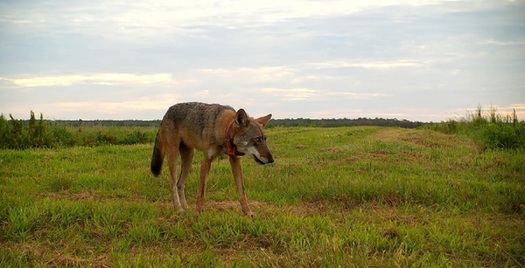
column 19, row 134
column 488, row 128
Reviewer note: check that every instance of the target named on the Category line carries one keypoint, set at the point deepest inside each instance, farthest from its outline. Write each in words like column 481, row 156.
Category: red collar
column 231, row 148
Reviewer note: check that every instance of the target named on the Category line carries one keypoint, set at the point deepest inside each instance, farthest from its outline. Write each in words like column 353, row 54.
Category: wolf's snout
column 270, row 159
column 265, row 160
column 263, row 157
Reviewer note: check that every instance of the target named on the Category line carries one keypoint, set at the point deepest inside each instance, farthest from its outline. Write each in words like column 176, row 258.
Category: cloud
column 495, row 42
column 357, row 96
column 163, row 14
column 301, row 94
column 295, row 94
column 140, row 108
column 97, row 79
column 394, row 64
column 117, row 107
column 263, row 73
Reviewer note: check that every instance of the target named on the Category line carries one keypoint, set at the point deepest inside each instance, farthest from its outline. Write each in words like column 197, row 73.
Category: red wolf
column 213, row 129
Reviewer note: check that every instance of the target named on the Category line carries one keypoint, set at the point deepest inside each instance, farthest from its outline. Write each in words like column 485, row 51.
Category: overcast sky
column 415, row 60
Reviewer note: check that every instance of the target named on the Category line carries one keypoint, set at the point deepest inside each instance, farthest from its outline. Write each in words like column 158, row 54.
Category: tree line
column 344, row 122
column 297, row 122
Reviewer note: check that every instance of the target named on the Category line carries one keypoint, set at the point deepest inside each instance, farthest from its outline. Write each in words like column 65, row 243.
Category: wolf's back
column 193, row 116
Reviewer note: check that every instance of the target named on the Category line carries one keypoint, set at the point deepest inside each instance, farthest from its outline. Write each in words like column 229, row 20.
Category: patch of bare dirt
column 424, row 138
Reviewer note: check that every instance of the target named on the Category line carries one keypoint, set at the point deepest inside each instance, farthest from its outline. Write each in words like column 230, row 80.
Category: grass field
column 360, row 196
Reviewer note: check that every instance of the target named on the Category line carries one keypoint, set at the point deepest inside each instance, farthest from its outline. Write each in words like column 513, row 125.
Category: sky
column 415, row 60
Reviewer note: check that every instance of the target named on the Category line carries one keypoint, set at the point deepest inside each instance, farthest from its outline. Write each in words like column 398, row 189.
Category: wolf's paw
column 178, row 208
column 249, row 214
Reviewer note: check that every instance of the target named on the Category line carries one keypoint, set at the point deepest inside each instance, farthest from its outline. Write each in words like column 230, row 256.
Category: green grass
column 360, row 196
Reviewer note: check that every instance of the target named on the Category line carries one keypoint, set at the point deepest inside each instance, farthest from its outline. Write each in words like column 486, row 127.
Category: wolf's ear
column 242, row 118
column 263, row 120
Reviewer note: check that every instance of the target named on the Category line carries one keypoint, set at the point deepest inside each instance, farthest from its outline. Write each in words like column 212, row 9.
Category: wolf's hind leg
column 173, row 154
column 186, row 155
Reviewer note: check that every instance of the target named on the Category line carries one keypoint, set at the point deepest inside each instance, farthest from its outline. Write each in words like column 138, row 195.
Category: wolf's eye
column 258, row 139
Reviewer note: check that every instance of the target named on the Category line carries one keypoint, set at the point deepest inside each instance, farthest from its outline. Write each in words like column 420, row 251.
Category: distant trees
column 345, row 122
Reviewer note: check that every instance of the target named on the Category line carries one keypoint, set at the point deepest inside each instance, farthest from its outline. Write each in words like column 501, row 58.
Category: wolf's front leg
column 205, row 171
column 235, row 163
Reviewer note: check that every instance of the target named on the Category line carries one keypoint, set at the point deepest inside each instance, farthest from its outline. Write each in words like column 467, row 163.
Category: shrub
column 490, row 129
column 135, row 137
column 33, row 133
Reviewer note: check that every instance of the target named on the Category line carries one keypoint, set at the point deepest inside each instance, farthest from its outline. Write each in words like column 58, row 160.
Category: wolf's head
column 250, row 138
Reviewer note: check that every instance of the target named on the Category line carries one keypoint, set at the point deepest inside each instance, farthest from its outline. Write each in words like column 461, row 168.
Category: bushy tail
column 158, row 156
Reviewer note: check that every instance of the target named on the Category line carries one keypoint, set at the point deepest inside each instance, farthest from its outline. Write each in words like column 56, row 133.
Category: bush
column 106, row 138
column 136, row 137
column 490, row 129
column 500, row 135
column 17, row 134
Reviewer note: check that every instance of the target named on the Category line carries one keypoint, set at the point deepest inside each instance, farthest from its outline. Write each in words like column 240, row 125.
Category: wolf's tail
column 158, row 156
